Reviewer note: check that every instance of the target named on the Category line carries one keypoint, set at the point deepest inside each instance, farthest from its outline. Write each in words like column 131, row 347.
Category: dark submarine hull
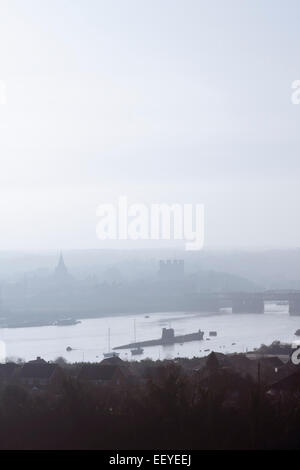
column 198, row 336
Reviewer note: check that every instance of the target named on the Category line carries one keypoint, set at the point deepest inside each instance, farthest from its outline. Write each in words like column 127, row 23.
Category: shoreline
column 39, row 323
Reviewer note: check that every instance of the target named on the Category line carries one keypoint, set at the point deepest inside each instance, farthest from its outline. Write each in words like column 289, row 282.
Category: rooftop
column 98, row 372
column 38, row 370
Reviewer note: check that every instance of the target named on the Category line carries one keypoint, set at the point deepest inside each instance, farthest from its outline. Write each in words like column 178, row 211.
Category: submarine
column 167, row 337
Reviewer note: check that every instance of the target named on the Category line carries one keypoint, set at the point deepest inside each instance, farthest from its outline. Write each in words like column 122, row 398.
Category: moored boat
column 138, row 350
column 110, row 353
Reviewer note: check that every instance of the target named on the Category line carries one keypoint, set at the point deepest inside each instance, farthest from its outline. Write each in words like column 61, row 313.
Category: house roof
column 98, row 372
column 212, row 361
column 6, row 370
column 113, row 361
column 226, row 377
column 238, row 359
column 35, row 370
column 273, row 361
column 290, row 383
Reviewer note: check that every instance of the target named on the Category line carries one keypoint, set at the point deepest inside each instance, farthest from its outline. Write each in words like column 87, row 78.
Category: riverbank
column 89, row 339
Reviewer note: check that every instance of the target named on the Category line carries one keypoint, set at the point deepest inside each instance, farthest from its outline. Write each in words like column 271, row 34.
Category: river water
column 89, row 339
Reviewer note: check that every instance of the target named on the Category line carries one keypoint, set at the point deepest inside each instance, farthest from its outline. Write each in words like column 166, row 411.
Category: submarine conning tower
column 167, row 335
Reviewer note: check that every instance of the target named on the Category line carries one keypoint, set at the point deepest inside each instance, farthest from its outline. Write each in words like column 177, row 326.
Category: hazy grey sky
column 160, row 100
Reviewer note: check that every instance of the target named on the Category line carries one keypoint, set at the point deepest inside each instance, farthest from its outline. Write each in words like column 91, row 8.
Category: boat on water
column 297, row 332
column 168, row 337
column 110, row 353
column 138, row 350
column 212, row 333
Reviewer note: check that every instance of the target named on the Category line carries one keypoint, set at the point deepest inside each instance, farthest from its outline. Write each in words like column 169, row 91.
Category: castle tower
column 171, row 270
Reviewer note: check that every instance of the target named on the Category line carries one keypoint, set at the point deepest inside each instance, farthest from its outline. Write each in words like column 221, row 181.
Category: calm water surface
column 89, row 339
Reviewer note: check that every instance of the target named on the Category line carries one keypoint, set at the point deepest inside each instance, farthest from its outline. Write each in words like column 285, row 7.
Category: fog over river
column 89, row 339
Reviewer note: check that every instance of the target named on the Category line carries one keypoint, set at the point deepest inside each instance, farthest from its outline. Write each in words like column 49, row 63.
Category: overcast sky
column 164, row 101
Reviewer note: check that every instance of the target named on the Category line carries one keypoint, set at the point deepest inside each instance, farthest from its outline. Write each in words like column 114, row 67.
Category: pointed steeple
column 61, row 273
column 61, row 263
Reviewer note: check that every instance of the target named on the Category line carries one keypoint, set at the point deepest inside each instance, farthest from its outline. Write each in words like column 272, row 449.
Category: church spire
column 61, row 262
column 61, row 272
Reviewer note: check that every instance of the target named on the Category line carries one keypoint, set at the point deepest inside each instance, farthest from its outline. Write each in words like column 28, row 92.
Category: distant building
column 38, row 360
column 61, row 274
column 7, row 371
column 289, row 384
column 39, row 373
column 171, row 270
column 103, row 374
column 112, row 361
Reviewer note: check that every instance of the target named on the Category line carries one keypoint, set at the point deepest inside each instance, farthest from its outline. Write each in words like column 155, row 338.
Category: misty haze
column 150, row 231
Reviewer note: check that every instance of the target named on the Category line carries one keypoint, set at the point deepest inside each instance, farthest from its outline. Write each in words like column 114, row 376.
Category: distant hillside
column 267, row 268
column 213, row 281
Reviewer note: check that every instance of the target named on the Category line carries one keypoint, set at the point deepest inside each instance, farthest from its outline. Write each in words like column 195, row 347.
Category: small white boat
column 137, row 351
column 111, row 354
